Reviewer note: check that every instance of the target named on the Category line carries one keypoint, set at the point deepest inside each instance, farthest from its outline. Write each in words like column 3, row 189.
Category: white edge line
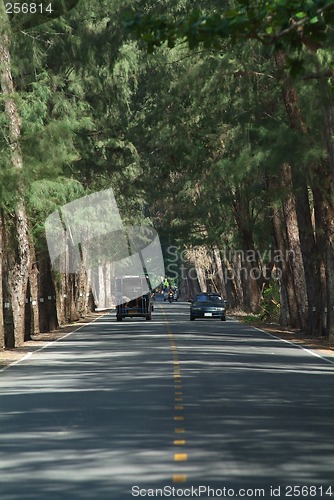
column 296, row 345
column 29, row 354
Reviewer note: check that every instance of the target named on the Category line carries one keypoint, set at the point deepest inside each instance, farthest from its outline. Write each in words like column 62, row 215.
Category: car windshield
column 207, row 296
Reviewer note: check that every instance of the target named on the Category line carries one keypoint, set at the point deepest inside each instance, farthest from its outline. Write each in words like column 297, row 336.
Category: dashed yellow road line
column 179, row 442
column 178, row 406
column 180, row 478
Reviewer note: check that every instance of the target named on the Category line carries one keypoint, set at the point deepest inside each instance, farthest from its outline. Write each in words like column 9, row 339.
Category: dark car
column 208, row 305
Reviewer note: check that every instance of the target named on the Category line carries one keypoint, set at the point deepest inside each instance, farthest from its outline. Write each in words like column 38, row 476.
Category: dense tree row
column 226, row 149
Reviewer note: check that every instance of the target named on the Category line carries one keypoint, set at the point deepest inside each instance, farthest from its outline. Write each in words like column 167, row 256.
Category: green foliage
column 188, row 139
column 282, row 24
column 26, row 15
column 44, row 197
column 270, row 304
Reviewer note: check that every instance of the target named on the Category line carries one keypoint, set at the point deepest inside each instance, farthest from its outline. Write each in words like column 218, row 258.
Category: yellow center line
column 178, row 398
column 180, row 478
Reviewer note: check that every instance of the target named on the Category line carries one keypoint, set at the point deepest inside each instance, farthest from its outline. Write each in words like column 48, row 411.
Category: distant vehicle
column 208, row 305
column 140, row 306
column 175, row 295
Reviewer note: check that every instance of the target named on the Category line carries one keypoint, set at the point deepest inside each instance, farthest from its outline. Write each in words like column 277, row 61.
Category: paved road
column 117, row 410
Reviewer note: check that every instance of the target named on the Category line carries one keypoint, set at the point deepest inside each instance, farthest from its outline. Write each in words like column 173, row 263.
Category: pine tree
column 16, row 225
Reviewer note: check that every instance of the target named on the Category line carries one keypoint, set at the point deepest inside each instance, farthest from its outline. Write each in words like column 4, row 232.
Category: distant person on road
column 171, row 294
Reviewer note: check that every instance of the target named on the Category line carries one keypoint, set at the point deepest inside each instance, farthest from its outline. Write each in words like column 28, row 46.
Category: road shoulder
column 12, row 356
column 318, row 344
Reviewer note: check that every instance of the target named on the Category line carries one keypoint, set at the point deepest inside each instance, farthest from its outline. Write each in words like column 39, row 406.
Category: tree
column 280, row 24
column 284, row 26
column 19, row 257
column 190, row 140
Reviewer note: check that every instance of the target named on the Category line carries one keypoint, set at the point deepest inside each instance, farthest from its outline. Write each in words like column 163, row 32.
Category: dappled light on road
column 93, row 414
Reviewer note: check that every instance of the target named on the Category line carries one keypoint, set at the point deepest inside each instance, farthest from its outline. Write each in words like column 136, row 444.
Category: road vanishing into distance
column 167, row 408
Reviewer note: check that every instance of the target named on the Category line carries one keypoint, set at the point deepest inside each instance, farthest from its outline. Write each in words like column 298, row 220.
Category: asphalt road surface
column 167, row 408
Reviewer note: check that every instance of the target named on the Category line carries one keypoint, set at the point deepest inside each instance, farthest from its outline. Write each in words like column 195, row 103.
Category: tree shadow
column 93, row 414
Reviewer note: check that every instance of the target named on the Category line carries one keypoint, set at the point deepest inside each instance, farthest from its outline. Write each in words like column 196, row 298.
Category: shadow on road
column 92, row 415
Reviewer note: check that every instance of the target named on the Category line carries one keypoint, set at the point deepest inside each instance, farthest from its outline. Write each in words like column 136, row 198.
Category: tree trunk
column 328, row 113
column 2, row 324
column 330, row 274
column 101, row 289
column 250, row 273
column 34, row 293
column 60, row 285
column 89, row 298
column 234, row 290
column 295, row 263
column 201, row 276
column 219, row 271
column 47, row 308
column 326, row 222
column 310, row 258
column 108, row 274
column 312, row 320
column 19, row 257
column 18, row 273
column 189, row 284
column 289, row 314
column 321, row 243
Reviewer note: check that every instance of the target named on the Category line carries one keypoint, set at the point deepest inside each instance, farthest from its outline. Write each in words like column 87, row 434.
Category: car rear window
column 205, row 297
column 201, row 298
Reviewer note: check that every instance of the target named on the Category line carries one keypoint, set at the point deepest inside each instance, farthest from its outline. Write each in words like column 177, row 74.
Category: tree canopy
column 207, row 138
column 278, row 25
